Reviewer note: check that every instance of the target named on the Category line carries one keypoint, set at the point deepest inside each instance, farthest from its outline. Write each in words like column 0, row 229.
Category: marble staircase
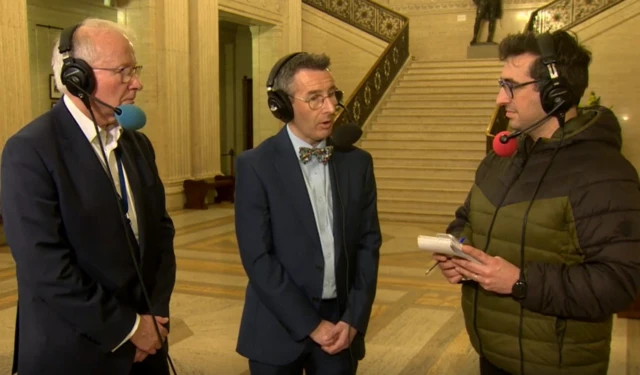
column 427, row 139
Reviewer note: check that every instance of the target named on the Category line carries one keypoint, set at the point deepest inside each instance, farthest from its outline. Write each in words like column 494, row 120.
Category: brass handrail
column 377, row 80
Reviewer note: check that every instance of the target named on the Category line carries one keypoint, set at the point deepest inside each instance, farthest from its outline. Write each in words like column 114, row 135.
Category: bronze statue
column 490, row 10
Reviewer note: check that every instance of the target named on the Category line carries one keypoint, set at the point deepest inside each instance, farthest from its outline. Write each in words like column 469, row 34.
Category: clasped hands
column 333, row 338
column 145, row 337
column 494, row 274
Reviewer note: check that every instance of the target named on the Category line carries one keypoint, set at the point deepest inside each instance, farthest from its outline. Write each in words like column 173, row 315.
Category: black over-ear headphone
column 554, row 91
column 278, row 100
column 76, row 74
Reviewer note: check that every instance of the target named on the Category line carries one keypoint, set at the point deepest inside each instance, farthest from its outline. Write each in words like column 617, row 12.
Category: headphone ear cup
column 554, row 92
column 280, row 105
column 77, row 73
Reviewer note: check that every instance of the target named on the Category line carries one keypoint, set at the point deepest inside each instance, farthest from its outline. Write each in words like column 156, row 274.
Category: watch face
column 519, row 290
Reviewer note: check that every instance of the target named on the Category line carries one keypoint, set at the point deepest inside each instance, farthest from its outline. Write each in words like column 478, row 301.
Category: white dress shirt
column 109, row 138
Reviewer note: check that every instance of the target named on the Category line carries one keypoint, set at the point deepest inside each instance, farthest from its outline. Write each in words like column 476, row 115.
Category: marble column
column 162, row 46
column 293, row 25
column 15, row 96
column 205, row 95
column 267, row 45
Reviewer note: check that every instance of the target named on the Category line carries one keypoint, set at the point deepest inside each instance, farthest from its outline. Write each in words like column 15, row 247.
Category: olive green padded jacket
column 581, row 253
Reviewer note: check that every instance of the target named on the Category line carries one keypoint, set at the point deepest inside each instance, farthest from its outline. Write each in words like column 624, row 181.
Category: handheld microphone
column 345, row 136
column 504, row 143
column 129, row 116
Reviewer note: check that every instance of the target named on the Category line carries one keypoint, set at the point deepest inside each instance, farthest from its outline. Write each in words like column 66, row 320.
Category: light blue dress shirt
column 318, row 182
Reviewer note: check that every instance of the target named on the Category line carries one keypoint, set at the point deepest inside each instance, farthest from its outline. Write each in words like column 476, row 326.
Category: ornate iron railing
column 557, row 15
column 563, row 14
column 366, row 15
column 382, row 23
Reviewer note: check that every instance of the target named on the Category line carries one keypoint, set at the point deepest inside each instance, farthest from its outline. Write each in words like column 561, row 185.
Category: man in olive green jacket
column 555, row 227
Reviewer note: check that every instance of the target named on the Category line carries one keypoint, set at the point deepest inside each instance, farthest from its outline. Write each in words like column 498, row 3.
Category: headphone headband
column 66, row 39
column 555, row 92
column 278, row 100
column 276, row 69
column 76, row 74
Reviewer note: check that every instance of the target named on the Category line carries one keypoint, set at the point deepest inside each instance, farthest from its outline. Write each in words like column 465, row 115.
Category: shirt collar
column 87, row 127
column 297, row 142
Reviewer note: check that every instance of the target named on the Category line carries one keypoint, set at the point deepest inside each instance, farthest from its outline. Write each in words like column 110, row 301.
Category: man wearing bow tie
column 308, row 232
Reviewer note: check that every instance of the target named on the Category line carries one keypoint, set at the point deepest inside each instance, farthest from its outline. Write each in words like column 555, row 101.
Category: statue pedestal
column 483, row 51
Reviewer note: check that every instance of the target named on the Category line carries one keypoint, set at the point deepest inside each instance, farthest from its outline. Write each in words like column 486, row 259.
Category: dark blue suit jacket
column 77, row 285
column 281, row 252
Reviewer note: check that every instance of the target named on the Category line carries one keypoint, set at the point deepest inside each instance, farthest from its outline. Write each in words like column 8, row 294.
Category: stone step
column 449, row 195
column 395, row 97
column 457, row 63
column 413, row 70
column 409, row 244
column 450, row 90
column 419, row 145
column 440, row 104
column 418, row 128
column 429, row 154
column 436, row 222
column 462, row 75
column 433, row 120
column 441, row 135
column 414, row 182
column 401, row 171
column 486, row 82
column 417, row 206
column 471, row 112
column 419, row 161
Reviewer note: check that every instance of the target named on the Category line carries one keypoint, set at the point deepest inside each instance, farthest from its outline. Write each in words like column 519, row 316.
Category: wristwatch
column 519, row 289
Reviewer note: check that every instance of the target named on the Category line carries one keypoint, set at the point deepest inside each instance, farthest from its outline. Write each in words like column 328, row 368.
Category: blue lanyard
column 123, row 186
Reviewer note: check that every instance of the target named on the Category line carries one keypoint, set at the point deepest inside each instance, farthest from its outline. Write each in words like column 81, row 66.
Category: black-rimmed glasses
column 509, row 87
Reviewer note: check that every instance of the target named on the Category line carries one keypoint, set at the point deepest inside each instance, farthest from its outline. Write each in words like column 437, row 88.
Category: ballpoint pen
column 436, row 263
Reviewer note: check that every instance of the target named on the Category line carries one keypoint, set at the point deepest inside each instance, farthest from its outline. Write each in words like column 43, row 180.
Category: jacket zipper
column 475, row 296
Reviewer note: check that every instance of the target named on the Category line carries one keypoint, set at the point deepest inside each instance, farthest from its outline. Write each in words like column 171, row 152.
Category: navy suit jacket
column 77, row 284
column 282, row 255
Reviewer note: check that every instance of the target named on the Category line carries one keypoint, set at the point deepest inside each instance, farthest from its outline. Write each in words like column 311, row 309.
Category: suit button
column 316, row 299
column 319, row 267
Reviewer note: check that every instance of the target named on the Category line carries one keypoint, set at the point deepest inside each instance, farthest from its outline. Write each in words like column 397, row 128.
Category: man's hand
column 161, row 322
column 324, row 333
column 447, row 268
column 344, row 334
column 145, row 337
column 494, row 274
column 140, row 356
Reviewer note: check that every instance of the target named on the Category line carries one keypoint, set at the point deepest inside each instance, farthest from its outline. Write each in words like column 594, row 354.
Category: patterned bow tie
column 322, row 154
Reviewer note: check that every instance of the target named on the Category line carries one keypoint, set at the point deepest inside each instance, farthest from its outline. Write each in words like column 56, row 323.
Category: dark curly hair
column 572, row 59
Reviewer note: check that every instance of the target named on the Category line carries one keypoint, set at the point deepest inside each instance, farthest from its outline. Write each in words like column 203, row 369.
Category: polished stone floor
column 416, row 328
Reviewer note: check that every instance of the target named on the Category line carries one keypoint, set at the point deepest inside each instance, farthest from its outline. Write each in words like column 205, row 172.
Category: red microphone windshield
column 504, row 150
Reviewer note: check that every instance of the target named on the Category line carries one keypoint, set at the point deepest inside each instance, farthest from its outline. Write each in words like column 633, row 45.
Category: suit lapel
column 340, row 192
column 290, row 173
column 81, row 156
column 133, row 176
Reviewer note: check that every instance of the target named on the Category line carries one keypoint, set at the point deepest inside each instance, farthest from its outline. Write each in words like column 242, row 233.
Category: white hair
column 83, row 45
